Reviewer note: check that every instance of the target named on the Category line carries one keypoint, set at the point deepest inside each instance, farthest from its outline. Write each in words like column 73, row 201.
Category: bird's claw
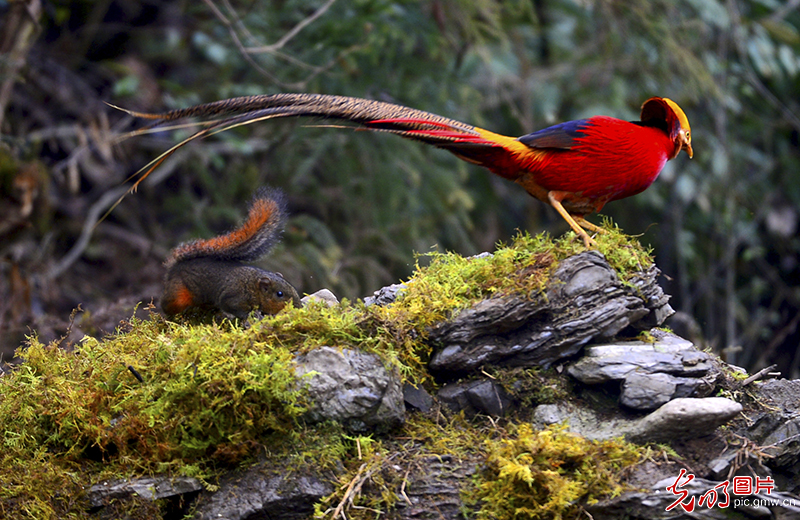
column 588, row 241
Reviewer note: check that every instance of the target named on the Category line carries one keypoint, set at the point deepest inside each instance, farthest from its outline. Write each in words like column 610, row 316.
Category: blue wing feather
column 561, row 136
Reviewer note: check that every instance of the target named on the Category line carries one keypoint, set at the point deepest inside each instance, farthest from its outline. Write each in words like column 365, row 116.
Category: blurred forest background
column 724, row 226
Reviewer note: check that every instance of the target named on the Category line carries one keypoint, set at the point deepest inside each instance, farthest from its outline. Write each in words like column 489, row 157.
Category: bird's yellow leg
column 555, row 200
column 585, row 224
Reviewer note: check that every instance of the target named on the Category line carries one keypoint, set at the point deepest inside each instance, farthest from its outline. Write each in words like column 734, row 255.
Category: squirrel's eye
column 280, row 294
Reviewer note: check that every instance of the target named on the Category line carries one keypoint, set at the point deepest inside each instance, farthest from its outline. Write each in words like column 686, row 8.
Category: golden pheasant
column 576, row 167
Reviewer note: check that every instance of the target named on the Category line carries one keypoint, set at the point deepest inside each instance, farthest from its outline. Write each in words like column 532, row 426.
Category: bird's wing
column 563, row 136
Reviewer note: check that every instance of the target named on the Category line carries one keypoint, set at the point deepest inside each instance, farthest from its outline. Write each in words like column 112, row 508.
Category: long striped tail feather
column 375, row 116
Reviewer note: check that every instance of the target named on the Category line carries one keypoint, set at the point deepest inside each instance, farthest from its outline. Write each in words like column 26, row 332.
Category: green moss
column 203, row 388
column 533, row 386
column 646, row 337
column 208, row 394
column 625, row 254
column 548, row 474
column 216, row 395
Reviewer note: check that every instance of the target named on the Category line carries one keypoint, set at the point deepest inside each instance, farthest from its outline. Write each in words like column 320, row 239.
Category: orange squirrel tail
column 261, row 230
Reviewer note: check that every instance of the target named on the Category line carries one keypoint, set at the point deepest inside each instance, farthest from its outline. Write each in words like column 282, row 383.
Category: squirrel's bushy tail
column 260, row 231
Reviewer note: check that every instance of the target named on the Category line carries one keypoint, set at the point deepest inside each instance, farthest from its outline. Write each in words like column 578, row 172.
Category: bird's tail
column 464, row 140
column 365, row 113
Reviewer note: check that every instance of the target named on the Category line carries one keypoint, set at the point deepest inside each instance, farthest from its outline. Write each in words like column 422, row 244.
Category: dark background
column 723, row 226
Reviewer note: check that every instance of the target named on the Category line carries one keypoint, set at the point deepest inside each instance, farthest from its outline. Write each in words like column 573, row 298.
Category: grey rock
column 669, row 354
column 385, row 295
column 473, row 397
column 720, row 467
column 417, row 397
column 610, row 363
column 547, row 414
column 485, row 254
column 734, row 462
column 435, row 489
column 454, row 397
column 651, row 373
column 777, row 425
column 785, row 439
column 684, row 418
column 642, row 391
column 265, row 492
column 781, row 393
column 489, row 398
column 584, row 301
column 654, row 297
column 692, row 387
column 651, row 504
column 351, row 387
column 323, row 295
column 149, row 488
column 581, row 420
column 696, row 363
column 679, row 419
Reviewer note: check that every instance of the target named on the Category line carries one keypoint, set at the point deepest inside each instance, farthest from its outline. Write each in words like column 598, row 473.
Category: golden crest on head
column 657, row 107
column 679, row 113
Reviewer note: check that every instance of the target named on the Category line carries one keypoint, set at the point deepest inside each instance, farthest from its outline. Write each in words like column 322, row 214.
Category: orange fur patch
column 180, row 300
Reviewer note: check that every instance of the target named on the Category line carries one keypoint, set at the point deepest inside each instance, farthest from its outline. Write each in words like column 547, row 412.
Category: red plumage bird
column 576, row 167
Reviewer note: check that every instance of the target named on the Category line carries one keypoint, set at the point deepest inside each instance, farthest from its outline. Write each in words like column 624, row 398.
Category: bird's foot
column 585, row 224
column 588, row 241
column 577, row 222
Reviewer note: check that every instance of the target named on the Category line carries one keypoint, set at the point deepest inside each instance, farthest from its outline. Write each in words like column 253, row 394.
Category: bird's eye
column 280, row 294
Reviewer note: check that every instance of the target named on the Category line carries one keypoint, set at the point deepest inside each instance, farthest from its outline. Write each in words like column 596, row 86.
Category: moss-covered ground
column 197, row 398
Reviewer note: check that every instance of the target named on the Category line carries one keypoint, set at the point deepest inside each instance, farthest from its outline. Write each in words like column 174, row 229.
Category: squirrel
column 210, row 273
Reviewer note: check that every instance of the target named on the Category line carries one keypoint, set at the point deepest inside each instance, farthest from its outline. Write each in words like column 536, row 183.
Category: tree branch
column 293, row 32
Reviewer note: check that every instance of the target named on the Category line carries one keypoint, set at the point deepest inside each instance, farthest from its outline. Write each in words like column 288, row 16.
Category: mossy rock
column 197, row 399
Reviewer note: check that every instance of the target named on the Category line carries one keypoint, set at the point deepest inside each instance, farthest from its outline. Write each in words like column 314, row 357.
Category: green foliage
column 547, row 474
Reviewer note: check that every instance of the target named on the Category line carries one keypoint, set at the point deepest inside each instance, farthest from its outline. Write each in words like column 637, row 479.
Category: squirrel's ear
column 269, row 286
